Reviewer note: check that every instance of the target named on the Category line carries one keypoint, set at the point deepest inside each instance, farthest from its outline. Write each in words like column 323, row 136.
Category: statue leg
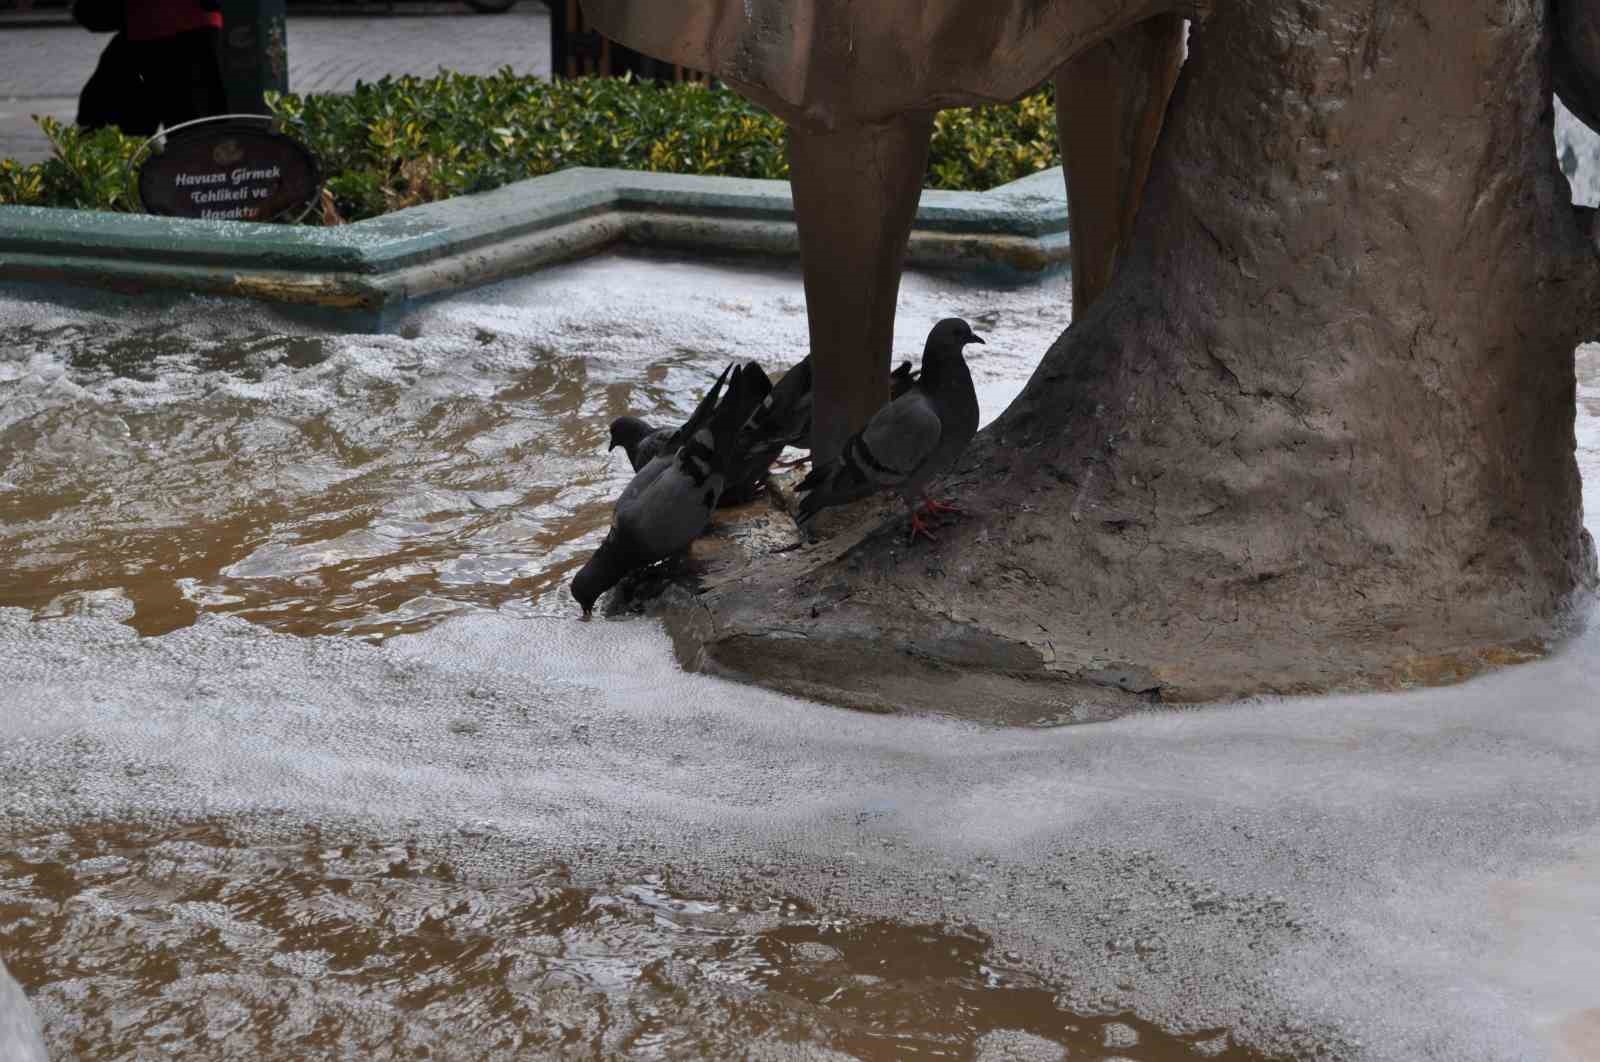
column 855, row 196
column 1107, row 139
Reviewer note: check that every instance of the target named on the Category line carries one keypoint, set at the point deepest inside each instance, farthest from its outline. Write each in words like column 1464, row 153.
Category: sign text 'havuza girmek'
column 235, row 168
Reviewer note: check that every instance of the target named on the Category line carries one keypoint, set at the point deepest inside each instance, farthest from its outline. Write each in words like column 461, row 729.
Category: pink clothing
column 150, row 20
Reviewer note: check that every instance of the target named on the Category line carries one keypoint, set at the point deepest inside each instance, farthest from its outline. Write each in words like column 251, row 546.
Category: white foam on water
column 1415, row 871
column 20, row 1038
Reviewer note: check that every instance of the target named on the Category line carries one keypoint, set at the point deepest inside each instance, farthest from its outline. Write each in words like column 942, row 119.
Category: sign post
column 255, row 53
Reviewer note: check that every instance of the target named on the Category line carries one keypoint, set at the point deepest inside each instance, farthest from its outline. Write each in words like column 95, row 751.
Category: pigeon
column 643, row 442
column 911, row 439
column 669, row 501
column 789, row 416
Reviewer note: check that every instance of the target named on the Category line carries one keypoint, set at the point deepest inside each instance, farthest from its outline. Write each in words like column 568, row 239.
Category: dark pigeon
column 787, row 418
column 669, row 502
column 911, row 439
column 643, row 442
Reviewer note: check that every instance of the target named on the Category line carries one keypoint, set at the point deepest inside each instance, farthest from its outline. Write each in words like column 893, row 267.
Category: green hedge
column 403, row 141
column 85, row 170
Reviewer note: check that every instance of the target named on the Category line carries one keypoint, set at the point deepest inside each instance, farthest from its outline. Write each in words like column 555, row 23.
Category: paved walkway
column 42, row 67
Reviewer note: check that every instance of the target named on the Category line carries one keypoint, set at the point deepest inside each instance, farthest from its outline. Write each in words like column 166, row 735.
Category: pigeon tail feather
column 702, row 413
column 782, row 418
column 901, row 380
column 747, row 392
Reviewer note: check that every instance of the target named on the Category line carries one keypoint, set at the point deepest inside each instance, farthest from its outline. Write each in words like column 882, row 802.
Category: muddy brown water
column 163, row 465
column 363, row 509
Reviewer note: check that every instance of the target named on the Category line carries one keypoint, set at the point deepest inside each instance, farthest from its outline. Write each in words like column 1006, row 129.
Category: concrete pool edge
column 384, row 263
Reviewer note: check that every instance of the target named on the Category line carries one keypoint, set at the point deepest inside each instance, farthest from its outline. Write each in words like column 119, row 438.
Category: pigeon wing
column 882, row 456
column 895, row 442
column 702, row 412
column 642, row 479
column 659, row 442
column 668, row 505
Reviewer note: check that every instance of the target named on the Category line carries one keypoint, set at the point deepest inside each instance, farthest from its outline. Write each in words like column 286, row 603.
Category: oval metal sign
column 235, row 167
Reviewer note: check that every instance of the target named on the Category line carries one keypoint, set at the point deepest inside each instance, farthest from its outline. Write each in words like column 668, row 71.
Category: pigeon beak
column 973, row 337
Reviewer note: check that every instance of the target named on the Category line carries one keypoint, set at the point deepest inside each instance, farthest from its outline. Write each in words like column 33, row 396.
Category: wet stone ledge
column 735, row 605
column 370, row 270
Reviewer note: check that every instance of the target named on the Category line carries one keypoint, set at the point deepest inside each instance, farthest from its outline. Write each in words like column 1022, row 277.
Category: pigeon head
column 942, row 362
column 603, row 571
column 628, row 432
column 952, row 333
column 592, row 581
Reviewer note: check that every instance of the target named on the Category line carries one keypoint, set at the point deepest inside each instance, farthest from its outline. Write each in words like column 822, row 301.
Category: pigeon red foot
column 934, row 505
column 919, row 528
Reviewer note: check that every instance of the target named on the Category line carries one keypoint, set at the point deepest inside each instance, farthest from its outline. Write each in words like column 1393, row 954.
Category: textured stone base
column 755, row 603
column 1317, row 435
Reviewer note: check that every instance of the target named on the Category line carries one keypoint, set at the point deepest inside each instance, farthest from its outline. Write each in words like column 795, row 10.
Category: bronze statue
column 859, row 83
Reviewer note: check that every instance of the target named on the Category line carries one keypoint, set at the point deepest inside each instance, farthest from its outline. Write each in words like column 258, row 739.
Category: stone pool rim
column 384, row 263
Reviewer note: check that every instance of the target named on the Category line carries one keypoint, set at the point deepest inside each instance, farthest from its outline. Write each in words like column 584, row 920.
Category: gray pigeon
column 643, row 442
column 910, row 440
column 669, row 502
